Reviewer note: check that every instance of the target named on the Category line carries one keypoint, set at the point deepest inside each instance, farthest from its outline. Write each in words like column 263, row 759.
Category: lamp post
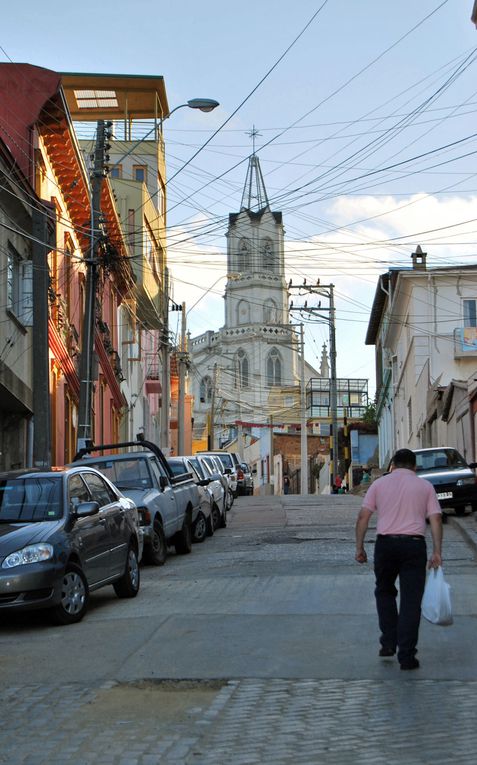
column 203, row 105
column 101, row 166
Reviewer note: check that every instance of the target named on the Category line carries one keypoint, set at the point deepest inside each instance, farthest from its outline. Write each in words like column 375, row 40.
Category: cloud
column 367, row 237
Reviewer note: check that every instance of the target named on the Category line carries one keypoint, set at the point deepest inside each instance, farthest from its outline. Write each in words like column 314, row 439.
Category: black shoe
column 410, row 664
column 385, row 651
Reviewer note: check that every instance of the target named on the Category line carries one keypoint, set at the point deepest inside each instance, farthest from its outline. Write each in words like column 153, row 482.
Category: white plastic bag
column 436, row 602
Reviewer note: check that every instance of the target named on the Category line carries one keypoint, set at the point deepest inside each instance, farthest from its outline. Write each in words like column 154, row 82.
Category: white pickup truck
column 168, row 505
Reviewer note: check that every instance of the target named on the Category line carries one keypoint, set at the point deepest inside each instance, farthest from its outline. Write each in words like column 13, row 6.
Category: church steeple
column 254, row 197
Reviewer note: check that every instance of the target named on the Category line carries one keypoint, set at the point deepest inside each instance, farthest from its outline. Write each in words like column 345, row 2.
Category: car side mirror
column 85, row 509
column 203, row 482
column 473, row 465
column 227, row 471
column 163, row 482
column 254, row 471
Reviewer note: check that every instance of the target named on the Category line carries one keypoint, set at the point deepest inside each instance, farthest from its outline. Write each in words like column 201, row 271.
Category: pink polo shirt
column 402, row 501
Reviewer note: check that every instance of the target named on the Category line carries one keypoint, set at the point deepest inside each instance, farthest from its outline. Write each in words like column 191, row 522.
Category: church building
column 245, row 377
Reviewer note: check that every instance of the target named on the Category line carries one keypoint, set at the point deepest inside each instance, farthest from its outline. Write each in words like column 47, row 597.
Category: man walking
column 402, row 502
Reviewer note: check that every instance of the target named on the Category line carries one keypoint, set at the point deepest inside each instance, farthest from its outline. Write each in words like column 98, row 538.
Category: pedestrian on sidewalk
column 402, row 502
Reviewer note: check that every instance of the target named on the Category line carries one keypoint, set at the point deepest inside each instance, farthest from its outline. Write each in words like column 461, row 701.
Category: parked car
column 217, row 487
column 453, row 479
column 244, row 479
column 167, row 504
column 202, row 524
column 229, row 467
column 216, row 466
column 65, row 532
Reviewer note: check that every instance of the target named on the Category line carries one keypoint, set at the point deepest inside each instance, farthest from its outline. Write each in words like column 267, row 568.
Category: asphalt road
column 271, row 609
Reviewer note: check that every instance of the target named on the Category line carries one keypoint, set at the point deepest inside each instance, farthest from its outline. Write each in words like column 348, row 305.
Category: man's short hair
column 404, row 458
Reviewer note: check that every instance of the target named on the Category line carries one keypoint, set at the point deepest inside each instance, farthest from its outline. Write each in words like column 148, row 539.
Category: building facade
column 424, row 327
column 48, row 251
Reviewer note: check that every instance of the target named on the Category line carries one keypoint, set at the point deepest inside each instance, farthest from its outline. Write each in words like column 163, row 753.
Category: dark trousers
column 404, row 558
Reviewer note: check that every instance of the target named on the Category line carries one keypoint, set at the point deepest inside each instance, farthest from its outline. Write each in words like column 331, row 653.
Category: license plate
column 445, row 495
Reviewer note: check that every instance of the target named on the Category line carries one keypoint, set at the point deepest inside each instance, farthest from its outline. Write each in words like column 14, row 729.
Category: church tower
column 256, row 349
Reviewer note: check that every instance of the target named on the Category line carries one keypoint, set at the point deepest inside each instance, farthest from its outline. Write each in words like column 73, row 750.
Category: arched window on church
column 243, row 256
column 243, row 312
column 270, row 315
column 268, row 259
column 205, row 390
column 274, row 368
column 242, row 377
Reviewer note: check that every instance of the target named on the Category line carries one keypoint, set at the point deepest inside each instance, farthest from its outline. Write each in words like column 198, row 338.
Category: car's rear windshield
column 177, row 467
column 226, row 460
column 125, row 473
column 30, row 500
column 436, row 459
column 198, row 467
column 211, row 465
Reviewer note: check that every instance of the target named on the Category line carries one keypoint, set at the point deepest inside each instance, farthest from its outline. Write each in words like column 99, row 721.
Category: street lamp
column 203, row 105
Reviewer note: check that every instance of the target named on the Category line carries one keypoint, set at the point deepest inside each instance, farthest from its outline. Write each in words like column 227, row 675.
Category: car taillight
column 144, row 516
column 240, row 474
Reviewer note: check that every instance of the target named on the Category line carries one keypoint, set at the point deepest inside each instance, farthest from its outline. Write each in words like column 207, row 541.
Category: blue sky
column 368, row 118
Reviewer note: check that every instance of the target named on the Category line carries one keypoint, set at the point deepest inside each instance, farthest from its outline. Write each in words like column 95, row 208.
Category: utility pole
column 211, row 435
column 327, row 291
column 303, row 430
column 92, row 266
column 333, row 393
column 183, row 363
column 165, row 369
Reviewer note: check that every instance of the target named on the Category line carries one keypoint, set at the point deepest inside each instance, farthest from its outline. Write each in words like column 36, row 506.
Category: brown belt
column 401, row 536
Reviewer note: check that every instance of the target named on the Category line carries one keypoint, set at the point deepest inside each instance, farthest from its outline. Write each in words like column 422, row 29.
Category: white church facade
column 237, row 370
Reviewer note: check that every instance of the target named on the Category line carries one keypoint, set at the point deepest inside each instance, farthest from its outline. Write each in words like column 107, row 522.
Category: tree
column 369, row 416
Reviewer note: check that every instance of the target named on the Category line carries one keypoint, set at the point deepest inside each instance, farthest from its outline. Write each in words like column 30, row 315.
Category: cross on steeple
column 254, row 195
column 253, row 133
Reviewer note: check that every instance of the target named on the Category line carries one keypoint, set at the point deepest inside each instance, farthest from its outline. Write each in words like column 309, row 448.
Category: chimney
column 419, row 259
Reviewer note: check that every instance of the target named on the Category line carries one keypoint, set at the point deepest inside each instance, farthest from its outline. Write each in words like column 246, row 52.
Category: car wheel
column 74, row 597
column 128, row 585
column 155, row 553
column 199, row 532
column 230, row 499
column 183, row 539
column 215, row 515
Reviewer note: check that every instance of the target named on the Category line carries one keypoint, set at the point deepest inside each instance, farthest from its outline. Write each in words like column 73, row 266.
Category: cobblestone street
column 282, row 663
